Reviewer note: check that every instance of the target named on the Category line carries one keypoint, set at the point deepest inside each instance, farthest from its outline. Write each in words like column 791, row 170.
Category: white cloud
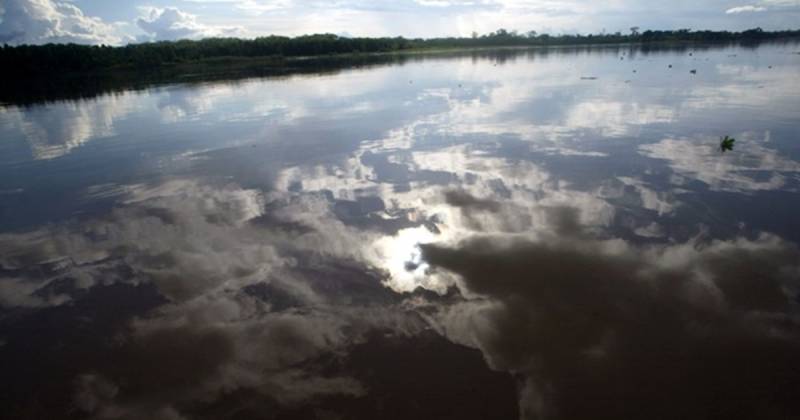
column 617, row 118
column 745, row 9
column 252, row 6
column 171, row 23
column 429, row 18
column 40, row 21
column 753, row 167
column 763, row 6
column 56, row 131
column 43, row 21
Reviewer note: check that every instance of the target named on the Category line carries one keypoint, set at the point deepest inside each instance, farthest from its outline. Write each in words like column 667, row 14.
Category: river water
column 547, row 234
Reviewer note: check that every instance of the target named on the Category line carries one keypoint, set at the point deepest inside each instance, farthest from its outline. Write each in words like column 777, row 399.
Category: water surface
column 520, row 233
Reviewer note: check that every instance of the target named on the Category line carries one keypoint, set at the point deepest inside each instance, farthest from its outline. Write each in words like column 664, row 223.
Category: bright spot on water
column 401, row 256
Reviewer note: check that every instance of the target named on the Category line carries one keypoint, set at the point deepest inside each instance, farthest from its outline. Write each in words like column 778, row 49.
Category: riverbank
column 34, row 88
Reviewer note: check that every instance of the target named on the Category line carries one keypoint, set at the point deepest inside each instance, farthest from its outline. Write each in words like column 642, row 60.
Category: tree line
column 59, row 58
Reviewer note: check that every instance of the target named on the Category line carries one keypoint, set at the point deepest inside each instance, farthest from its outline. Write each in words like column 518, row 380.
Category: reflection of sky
column 289, row 228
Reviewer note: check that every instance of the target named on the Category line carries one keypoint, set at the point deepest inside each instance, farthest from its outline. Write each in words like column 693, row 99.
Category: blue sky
column 119, row 22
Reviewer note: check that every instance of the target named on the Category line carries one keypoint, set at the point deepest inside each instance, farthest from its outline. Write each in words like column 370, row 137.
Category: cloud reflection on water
column 562, row 243
column 540, row 302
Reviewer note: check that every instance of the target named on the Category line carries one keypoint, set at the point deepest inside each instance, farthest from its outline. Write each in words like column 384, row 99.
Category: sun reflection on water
column 402, row 259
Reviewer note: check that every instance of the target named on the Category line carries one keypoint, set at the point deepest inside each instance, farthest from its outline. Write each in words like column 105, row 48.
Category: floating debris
column 693, row 71
column 726, row 144
column 588, row 78
column 670, row 66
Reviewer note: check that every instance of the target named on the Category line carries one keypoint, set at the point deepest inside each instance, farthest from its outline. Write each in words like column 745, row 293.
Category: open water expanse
column 534, row 234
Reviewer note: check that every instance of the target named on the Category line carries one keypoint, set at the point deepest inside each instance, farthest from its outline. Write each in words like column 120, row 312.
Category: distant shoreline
column 30, row 60
column 280, row 63
column 444, row 50
column 34, row 88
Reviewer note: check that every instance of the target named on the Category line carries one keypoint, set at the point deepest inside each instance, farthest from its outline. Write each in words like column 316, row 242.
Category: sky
column 120, row 22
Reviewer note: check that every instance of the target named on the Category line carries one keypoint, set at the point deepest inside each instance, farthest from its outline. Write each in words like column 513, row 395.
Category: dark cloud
column 171, row 360
column 467, row 202
column 188, row 357
column 600, row 329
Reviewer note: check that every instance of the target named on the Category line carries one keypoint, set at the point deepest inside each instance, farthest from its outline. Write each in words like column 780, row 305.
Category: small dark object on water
column 634, row 71
column 588, row 78
column 693, row 71
column 726, row 144
column 690, row 54
column 670, row 66
column 770, row 66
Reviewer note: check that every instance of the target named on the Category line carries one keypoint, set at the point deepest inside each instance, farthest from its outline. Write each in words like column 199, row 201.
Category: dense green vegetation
column 28, row 60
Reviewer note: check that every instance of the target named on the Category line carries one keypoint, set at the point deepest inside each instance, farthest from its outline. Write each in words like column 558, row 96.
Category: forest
column 29, row 60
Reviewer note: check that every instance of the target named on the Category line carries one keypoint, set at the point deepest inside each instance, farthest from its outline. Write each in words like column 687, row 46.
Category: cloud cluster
column 602, row 329
column 43, row 21
column 189, row 355
column 264, row 288
column 46, row 21
column 187, row 238
column 39, row 21
column 170, row 23
column 753, row 168
column 254, row 298
column 163, row 239
column 55, row 131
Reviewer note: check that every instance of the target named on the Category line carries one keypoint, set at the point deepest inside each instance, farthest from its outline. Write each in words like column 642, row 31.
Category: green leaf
column 726, row 144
